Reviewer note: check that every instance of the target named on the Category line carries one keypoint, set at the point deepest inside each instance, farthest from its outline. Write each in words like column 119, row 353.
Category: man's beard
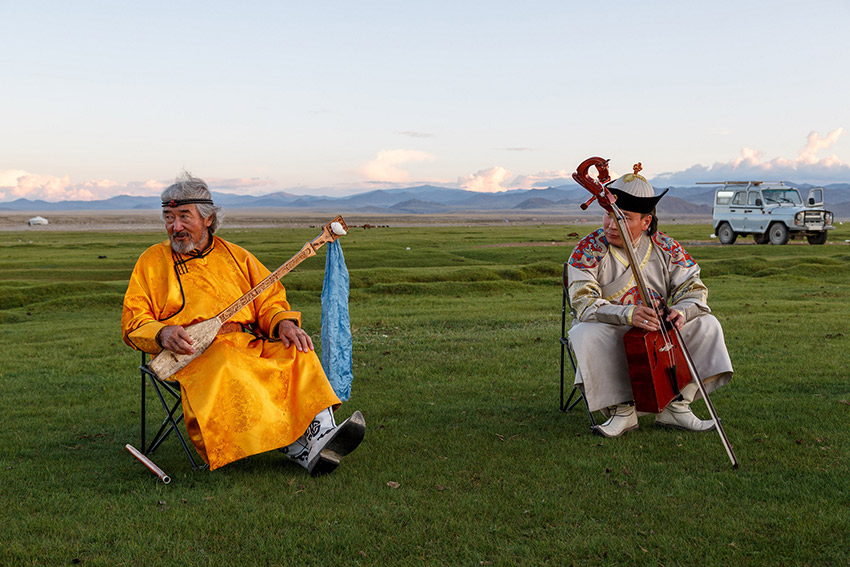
column 184, row 246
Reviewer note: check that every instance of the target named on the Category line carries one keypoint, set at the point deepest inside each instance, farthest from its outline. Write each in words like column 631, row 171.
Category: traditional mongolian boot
column 678, row 415
column 324, row 443
column 298, row 450
column 623, row 418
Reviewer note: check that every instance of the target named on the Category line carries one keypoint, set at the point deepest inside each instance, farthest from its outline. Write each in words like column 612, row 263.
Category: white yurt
column 37, row 220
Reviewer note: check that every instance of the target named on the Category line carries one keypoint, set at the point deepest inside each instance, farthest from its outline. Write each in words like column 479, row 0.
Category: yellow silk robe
column 244, row 395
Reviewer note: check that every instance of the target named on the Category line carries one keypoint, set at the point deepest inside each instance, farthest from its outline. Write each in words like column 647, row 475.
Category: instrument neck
column 625, row 235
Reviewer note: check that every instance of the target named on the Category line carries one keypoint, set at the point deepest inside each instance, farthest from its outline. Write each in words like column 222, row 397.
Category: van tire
column 761, row 238
column 725, row 234
column 778, row 233
column 819, row 238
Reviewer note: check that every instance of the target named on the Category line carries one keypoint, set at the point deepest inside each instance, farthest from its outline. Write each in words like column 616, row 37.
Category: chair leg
column 173, row 415
column 570, row 404
column 561, row 403
column 170, row 423
column 144, row 396
column 564, row 341
column 589, row 413
column 566, row 349
column 575, row 388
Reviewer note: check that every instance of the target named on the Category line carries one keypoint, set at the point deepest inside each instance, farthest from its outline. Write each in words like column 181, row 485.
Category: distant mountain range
column 430, row 199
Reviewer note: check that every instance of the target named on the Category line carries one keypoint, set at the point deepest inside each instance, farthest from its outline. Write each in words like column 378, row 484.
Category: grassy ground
column 467, row 459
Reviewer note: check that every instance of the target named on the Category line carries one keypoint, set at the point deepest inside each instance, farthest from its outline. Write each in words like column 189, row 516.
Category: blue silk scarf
column 336, row 327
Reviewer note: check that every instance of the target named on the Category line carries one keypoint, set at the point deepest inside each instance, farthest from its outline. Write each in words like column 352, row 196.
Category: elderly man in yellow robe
column 260, row 385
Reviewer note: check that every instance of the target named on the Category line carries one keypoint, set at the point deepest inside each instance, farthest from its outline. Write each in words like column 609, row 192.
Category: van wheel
column 819, row 238
column 725, row 234
column 778, row 233
column 761, row 238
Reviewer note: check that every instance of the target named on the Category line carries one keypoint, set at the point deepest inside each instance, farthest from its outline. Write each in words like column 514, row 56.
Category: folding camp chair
column 566, row 349
column 168, row 394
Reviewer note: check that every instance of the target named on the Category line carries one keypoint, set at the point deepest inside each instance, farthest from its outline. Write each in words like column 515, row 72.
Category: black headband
column 180, row 202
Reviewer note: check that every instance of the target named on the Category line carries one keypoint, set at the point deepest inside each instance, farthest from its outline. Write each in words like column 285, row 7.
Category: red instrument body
column 657, row 365
column 657, row 376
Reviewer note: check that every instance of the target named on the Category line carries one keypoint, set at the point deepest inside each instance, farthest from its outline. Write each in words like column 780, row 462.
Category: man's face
column 187, row 230
column 635, row 224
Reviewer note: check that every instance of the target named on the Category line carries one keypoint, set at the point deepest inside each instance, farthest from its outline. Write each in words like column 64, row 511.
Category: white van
column 771, row 211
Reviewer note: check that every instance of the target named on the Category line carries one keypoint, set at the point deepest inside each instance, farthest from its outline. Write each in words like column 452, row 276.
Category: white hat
column 634, row 193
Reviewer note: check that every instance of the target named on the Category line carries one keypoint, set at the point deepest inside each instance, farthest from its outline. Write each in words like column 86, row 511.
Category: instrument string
column 643, row 291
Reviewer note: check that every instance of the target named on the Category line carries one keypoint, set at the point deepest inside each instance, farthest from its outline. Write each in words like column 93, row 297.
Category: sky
column 102, row 98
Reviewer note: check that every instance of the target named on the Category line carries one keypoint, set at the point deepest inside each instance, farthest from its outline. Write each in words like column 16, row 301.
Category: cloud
column 486, row 180
column 9, row 177
column 815, row 143
column 241, row 185
column 752, row 165
column 154, row 185
column 21, row 184
column 385, row 167
column 498, row 178
column 545, row 178
column 413, row 134
column 17, row 184
column 811, row 165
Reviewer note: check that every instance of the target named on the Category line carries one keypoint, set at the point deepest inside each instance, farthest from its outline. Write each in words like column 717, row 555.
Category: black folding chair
column 168, row 394
column 567, row 350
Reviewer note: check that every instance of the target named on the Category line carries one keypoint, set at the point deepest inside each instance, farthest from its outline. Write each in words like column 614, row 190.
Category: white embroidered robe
column 603, row 295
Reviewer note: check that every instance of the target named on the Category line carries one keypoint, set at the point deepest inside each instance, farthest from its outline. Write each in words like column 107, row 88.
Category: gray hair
column 187, row 186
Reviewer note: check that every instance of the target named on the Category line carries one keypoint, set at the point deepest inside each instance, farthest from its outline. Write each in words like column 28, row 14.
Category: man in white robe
column 606, row 304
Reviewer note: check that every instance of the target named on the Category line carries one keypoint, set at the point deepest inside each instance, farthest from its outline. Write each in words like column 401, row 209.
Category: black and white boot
column 321, row 447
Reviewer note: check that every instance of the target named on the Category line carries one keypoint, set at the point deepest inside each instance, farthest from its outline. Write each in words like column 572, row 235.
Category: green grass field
column 467, row 460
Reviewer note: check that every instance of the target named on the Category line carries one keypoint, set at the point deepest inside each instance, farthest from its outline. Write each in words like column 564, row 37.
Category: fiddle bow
column 659, row 362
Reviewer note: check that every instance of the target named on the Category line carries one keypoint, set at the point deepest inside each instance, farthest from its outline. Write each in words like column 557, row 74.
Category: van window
column 740, row 198
column 783, row 196
column 752, row 196
column 724, row 197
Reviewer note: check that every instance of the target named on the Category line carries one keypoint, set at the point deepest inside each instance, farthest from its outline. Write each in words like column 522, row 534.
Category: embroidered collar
column 180, row 260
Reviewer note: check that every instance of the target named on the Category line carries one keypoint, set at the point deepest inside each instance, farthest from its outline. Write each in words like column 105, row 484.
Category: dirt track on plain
column 149, row 220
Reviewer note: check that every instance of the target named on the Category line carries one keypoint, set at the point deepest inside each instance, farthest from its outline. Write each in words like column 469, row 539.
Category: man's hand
column 646, row 318
column 677, row 318
column 290, row 333
column 176, row 339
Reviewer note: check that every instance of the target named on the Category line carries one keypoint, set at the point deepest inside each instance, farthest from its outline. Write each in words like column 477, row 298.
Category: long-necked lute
column 167, row 363
column 659, row 362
